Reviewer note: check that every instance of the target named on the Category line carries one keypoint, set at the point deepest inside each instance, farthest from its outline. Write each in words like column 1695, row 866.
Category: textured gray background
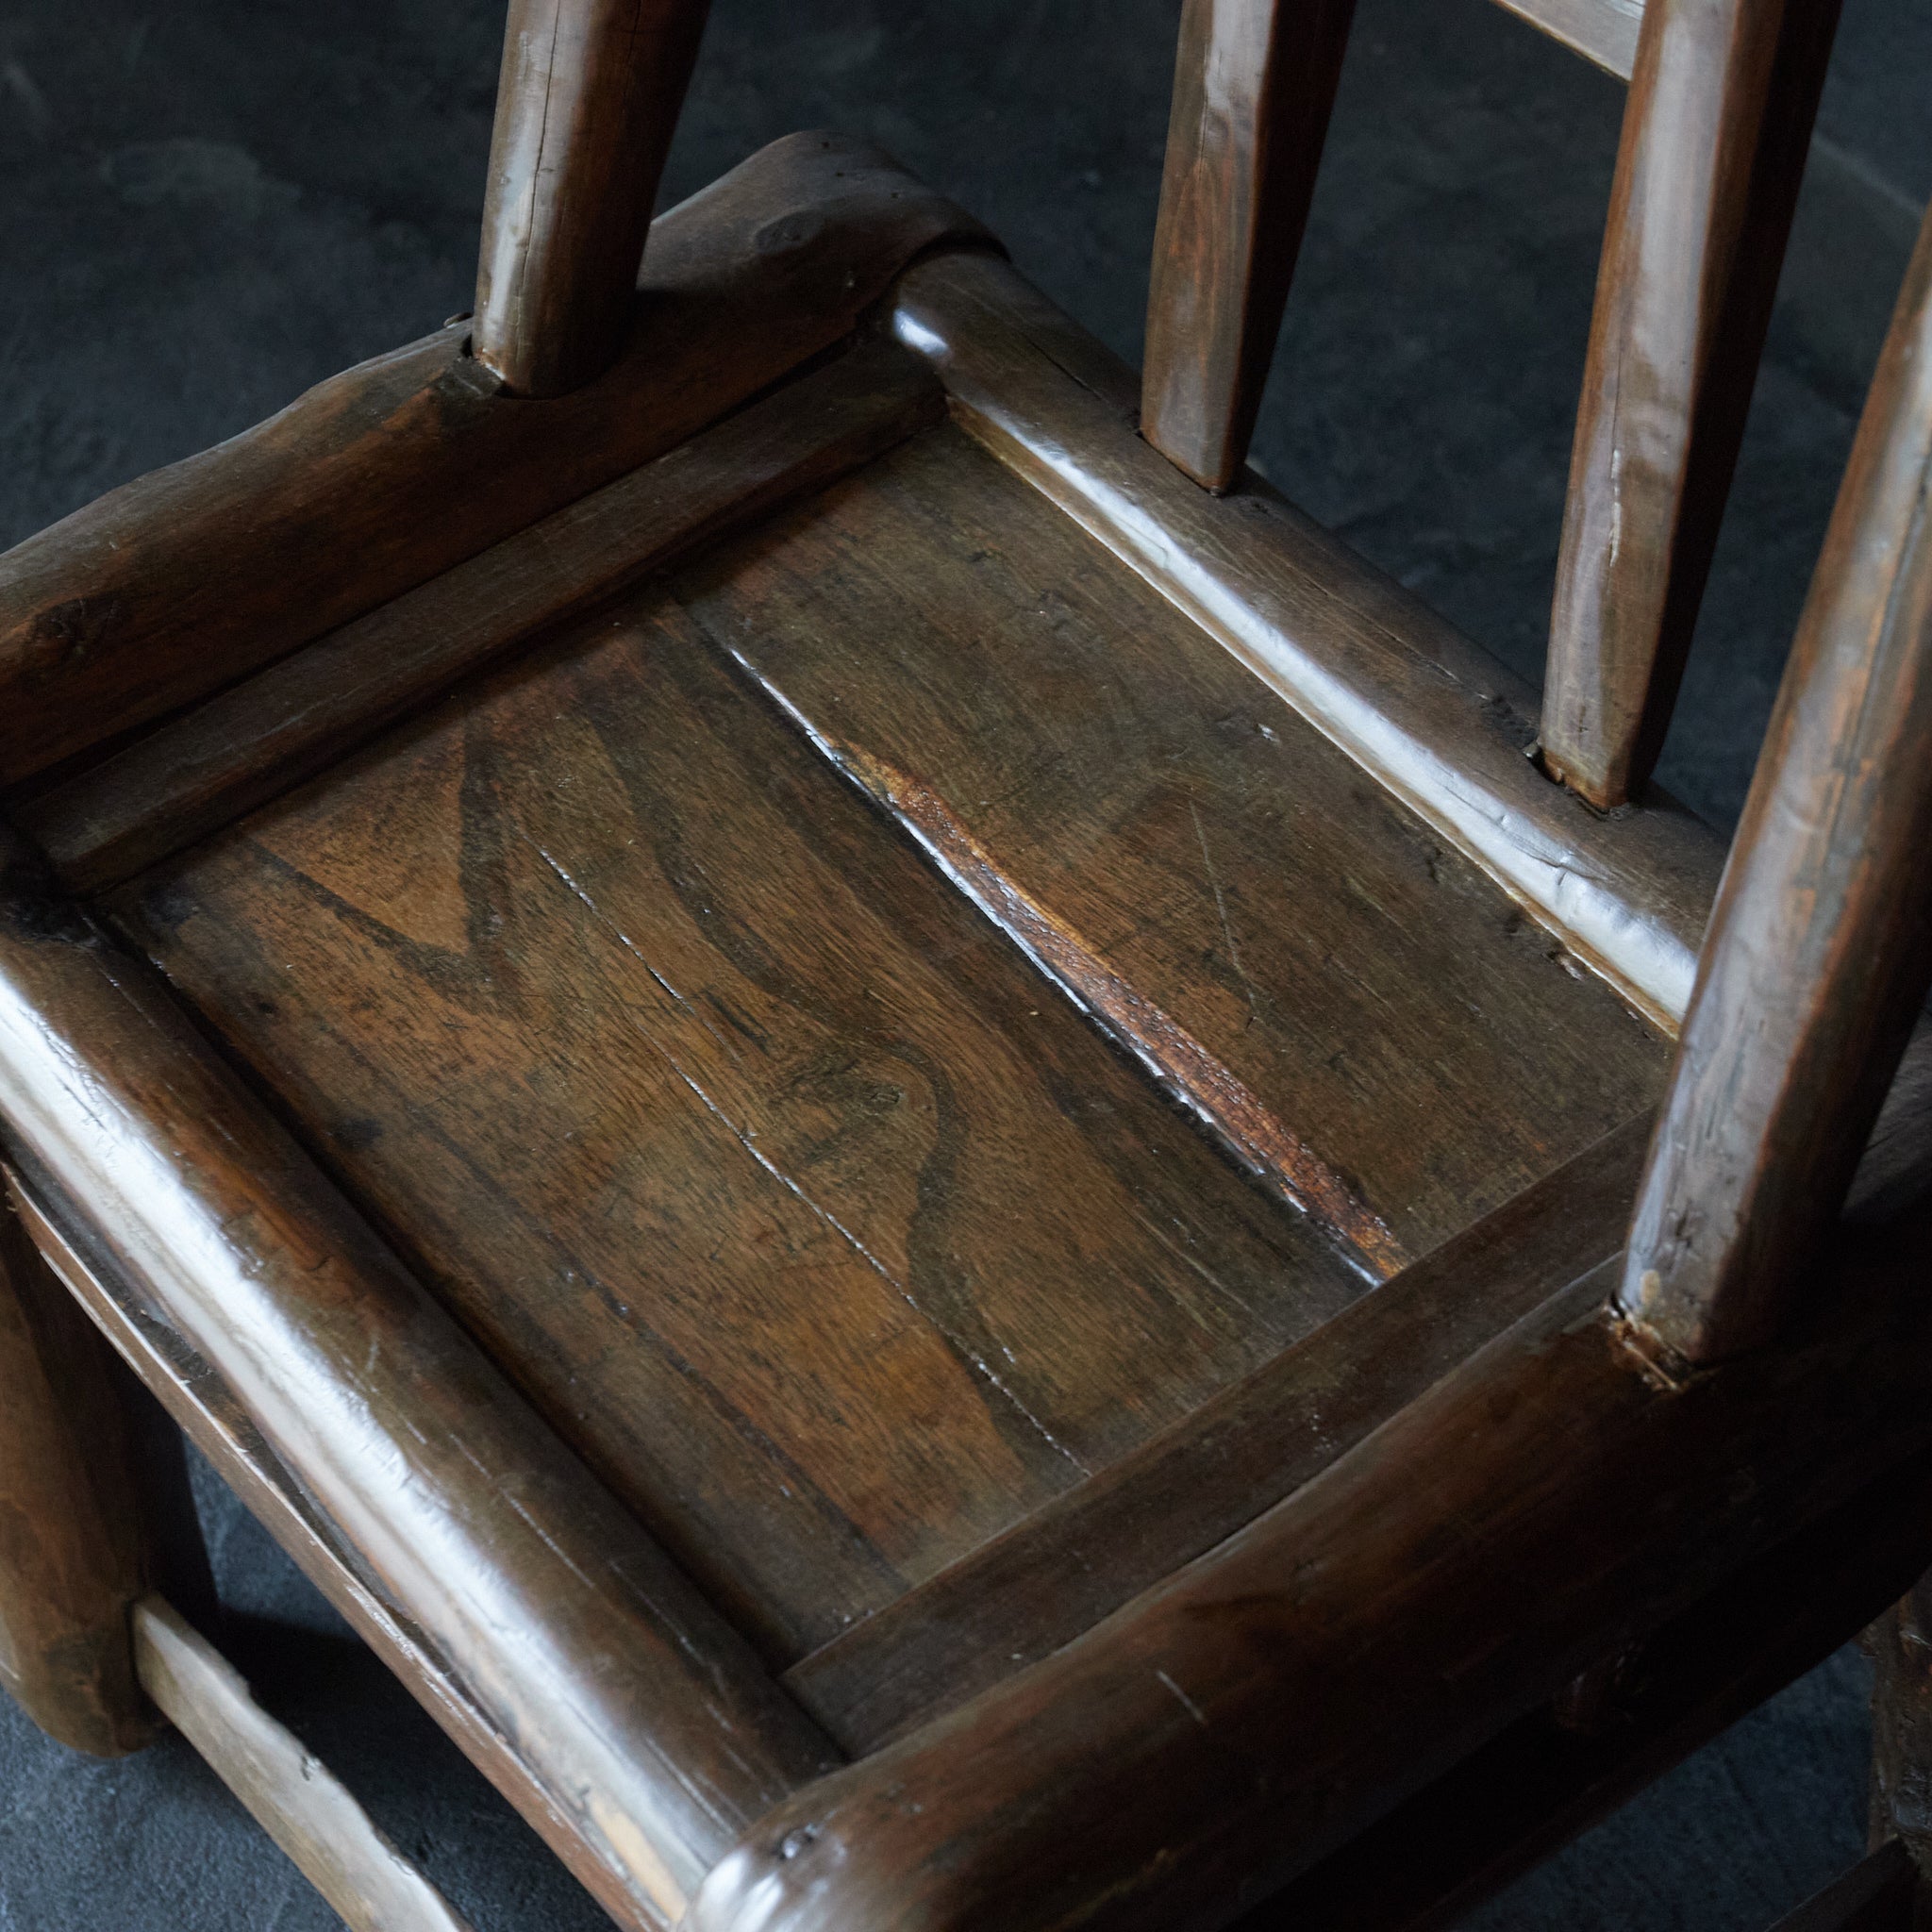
column 207, row 206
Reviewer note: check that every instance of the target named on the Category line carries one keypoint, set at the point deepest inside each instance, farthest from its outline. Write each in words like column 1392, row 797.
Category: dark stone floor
column 207, row 206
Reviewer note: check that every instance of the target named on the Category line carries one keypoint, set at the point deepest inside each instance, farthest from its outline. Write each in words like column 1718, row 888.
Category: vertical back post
column 1819, row 950
column 1254, row 86
column 585, row 110
column 1715, row 135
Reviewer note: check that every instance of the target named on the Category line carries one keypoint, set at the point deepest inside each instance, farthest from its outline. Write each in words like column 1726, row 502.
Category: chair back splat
column 585, row 111
column 1819, row 950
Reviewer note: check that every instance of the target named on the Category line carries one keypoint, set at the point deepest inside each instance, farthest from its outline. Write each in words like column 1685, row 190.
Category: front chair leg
column 74, row 1553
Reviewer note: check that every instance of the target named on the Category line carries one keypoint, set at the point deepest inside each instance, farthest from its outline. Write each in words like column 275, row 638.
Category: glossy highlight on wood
column 1068, row 1565
column 265, row 736
column 393, row 1422
column 1603, row 31
column 905, row 1150
column 1548, row 1485
column 829, row 1234
column 1432, row 719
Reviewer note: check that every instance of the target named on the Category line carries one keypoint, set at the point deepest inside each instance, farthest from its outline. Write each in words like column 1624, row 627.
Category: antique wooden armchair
column 943, row 1173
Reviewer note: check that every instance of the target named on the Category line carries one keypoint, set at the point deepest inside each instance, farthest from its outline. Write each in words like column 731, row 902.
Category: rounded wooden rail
column 632, row 1703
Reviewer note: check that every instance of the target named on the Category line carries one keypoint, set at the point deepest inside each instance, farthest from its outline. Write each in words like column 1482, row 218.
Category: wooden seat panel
column 1048, row 720
column 780, row 1182
column 785, row 1186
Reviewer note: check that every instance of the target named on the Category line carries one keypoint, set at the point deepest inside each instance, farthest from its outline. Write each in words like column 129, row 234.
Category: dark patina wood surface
column 585, row 111
column 262, row 736
column 1081, row 1556
column 411, row 463
column 644, row 1718
column 1272, row 1700
column 1429, row 716
column 832, row 1235
column 195, row 1396
column 1821, row 945
column 1270, row 933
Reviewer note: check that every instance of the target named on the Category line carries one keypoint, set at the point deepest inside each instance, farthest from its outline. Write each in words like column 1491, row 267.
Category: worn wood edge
column 1875, row 1895
column 1428, row 714
column 1072, row 1563
column 456, row 1499
column 197, row 1399
column 1257, row 1137
column 171, row 587
column 1040, row 1799
column 1540, row 1783
column 267, row 735
column 1603, row 31
column 290, row 1792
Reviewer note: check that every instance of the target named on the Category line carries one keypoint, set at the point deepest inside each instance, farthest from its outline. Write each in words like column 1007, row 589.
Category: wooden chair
column 943, row 1173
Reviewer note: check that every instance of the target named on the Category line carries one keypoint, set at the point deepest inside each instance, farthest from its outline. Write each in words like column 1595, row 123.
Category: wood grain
column 1821, row 946
column 643, row 1716
column 172, row 586
column 1373, row 1028
column 828, row 1234
column 74, row 1550
column 1715, row 136
column 1254, row 85
column 265, row 736
column 1429, row 716
column 288, row 1793
column 1252, row 1714
column 586, row 106
column 1084, row 1554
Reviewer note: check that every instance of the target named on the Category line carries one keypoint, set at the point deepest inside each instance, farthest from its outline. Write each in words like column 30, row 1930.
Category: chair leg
column 75, row 1549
